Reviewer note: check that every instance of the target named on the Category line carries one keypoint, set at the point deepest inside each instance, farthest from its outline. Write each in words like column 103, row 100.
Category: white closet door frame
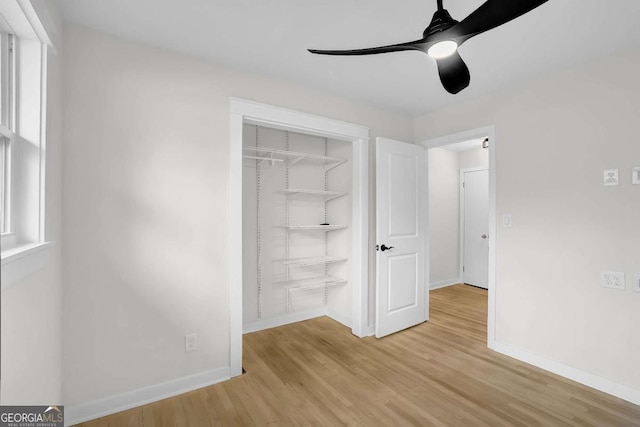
column 248, row 112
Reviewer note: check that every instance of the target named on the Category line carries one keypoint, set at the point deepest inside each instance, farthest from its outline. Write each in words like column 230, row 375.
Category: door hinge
column 463, row 268
column 462, row 184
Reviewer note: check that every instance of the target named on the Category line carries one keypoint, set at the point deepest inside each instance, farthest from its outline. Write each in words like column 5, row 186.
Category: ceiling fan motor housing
column 440, row 22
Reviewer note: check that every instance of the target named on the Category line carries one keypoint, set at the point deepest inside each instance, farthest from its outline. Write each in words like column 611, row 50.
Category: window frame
column 24, row 248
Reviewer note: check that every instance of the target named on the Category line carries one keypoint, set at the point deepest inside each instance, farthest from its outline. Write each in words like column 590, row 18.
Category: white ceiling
column 271, row 37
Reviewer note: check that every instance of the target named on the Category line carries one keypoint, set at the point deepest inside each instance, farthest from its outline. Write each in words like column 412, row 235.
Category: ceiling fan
column 444, row 35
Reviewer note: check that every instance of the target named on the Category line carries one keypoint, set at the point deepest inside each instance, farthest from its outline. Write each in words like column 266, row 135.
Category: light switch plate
column 611, row 177
column 635, row 175
column 506, row 221
column 636, row 283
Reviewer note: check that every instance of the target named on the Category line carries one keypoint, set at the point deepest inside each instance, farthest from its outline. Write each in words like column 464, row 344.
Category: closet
column 296, row 228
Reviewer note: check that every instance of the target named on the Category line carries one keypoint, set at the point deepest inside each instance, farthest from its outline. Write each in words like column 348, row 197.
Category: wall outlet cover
column 636, row 283
column 190, row 342
column 611, row 177
column 612, row 279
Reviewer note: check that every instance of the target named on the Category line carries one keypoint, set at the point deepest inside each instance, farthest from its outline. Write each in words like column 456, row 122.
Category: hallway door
column 476, row 228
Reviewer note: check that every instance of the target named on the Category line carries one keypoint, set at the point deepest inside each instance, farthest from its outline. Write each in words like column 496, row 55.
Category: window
column 24, row 49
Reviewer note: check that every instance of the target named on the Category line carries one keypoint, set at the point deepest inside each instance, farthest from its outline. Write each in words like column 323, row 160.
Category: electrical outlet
column 190, row 342
column 612, row 279
column 636, row 283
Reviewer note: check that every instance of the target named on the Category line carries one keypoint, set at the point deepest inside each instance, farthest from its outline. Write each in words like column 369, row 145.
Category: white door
column 475, row 257
column 401, row 209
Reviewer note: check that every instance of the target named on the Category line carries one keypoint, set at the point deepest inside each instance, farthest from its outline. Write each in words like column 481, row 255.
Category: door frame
column 462, row 218
column 490, row 132
column 241, row 112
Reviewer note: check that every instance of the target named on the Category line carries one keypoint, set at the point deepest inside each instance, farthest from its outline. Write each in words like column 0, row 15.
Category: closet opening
column 299, row 221
column 296, row 220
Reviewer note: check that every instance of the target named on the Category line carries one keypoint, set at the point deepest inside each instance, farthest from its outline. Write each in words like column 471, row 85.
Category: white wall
column 444, row 218
column 145, row 207
column 478, row 158
column 31, row 337
column 554, row 137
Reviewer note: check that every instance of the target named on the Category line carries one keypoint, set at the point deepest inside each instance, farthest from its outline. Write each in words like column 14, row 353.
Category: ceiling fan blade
column 454, row 73
column 414, row 45
column 492, row 14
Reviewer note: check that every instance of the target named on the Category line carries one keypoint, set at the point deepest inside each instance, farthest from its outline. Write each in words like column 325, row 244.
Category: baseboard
column 605, row 385
column 283, row 320
column 75, row 414
column 444, row 283
column 345, row 320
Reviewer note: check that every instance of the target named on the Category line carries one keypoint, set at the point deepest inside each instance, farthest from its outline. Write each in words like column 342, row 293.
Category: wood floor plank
column 439, row 373
column 131, row 418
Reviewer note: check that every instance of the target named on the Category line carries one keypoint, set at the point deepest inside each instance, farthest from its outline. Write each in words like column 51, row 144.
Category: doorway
column 469, row 257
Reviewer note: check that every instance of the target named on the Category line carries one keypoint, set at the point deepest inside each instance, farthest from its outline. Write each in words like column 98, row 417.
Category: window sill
column 23, row 260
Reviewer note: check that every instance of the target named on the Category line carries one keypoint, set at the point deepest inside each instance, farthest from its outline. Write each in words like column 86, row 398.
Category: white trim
column 427, row 237
column 285, row 119
column 489, row 132
column 8, row 241
column 235, row 245
column 75, row 414
column 263, row 324
column 244, row 111
column 15, row 16
column 605, row 385
column 461, row 218
column 22, row 261
column 360, row 238
column 444, row 283
column 39, row 20
column 42, row 167
column 493, row 239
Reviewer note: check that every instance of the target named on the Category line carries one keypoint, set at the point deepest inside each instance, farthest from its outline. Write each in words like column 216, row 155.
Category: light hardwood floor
column 439, row 373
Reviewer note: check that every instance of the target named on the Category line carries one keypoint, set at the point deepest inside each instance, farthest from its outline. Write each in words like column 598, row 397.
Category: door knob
column 385, row 248
column 484, row 236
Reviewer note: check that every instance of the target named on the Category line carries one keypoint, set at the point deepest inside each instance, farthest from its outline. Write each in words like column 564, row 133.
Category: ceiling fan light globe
column 442, row 49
